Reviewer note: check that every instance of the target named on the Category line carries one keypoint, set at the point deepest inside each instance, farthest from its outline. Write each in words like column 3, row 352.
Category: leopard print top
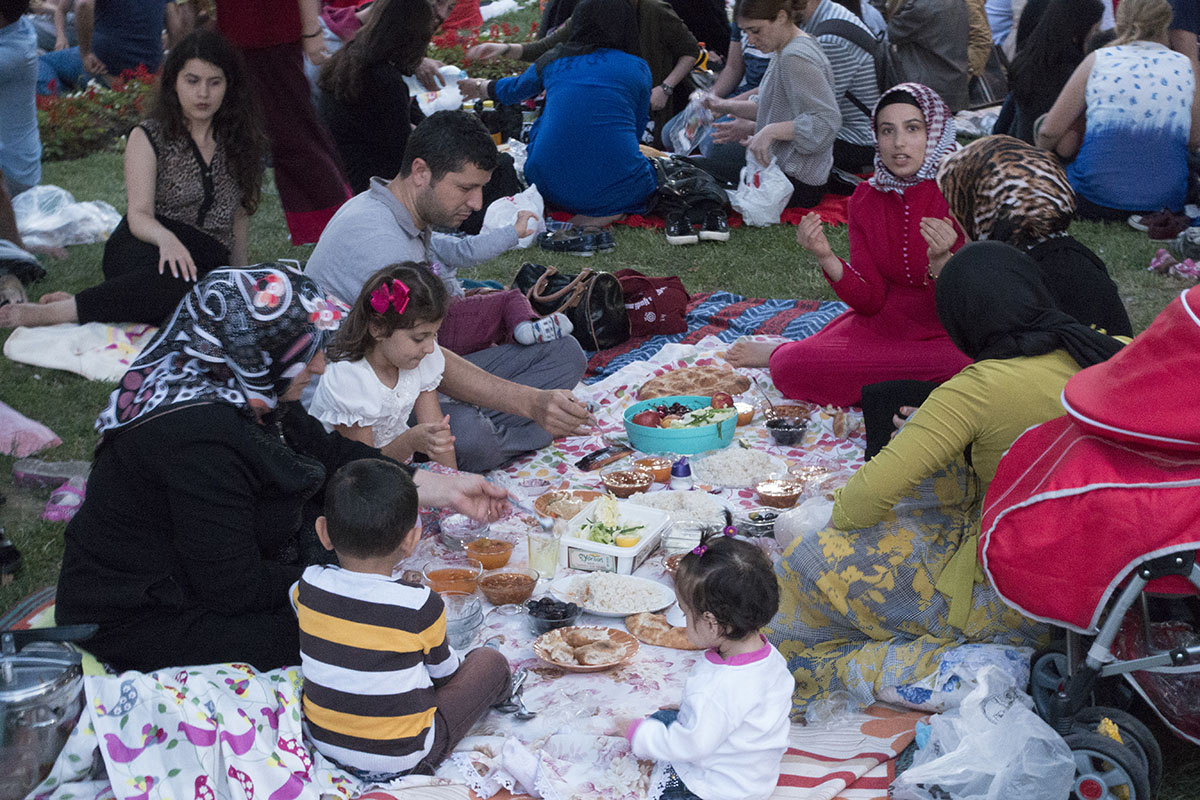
column 187, row 190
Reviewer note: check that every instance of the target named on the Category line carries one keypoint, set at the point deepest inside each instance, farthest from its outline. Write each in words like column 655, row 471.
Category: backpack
column 886, row 73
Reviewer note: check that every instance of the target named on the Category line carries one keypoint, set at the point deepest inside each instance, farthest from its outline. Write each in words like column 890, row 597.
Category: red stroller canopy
column 1070, row 514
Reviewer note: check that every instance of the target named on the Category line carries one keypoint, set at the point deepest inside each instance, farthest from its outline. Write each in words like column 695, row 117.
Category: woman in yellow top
column 874, row 601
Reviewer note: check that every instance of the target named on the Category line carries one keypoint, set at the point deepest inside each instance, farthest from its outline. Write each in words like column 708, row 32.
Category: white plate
column 564, row 589
column 778, row 465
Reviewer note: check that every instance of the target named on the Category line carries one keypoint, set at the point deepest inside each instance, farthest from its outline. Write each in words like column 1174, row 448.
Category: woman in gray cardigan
column 794, row 117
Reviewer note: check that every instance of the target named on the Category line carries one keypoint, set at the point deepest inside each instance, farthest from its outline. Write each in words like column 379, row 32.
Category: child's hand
column 432, row 438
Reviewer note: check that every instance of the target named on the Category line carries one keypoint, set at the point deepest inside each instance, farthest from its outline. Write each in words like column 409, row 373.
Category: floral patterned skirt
column 859, row 611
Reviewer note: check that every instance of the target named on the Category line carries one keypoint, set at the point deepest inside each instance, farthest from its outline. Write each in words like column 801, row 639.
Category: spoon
column 508, row 706
column 523, row 713
column 761, row 391
column 545, row 522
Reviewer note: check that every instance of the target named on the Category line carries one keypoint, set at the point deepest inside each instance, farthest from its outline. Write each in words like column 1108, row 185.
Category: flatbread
column 598, row 653
column 654, row 629
column 699, row 381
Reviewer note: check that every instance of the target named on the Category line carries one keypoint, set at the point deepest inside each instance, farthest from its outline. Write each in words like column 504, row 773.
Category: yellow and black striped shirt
column 370, row 648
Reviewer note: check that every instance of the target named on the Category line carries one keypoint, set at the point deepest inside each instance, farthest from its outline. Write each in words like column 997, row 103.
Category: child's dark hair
column 427, row 301
column 370, row 506
column 731, row 579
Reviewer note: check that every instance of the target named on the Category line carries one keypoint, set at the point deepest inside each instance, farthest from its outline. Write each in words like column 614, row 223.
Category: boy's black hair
column 370, row 506
column 734, row 581
column 447, row 142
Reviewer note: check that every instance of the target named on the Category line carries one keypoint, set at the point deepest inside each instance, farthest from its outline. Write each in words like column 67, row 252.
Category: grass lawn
column 755, row 262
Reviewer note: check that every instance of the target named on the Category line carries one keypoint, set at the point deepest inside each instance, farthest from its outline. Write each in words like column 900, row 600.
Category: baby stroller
column 1092, row 524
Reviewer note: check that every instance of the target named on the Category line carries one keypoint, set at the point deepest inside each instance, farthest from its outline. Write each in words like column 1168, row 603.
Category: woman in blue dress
column 583, row 150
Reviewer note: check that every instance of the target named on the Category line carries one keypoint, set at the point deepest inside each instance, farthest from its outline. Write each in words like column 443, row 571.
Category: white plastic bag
column 447, row 98
column 49, row 216
column 762, row 193
column 814, row 514
column 993, row 747
column 502, row 213
column 957, row 675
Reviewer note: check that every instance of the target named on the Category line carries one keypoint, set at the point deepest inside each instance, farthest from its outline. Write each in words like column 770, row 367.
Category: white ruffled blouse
column 350, row 393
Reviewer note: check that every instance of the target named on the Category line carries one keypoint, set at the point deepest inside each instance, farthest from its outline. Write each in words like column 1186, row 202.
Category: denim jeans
column 63, row 67
column 674, row 788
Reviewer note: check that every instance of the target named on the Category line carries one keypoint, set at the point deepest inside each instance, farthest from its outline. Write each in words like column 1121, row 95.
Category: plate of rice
column 737, row 468
column 607, row 594
column 682, row 505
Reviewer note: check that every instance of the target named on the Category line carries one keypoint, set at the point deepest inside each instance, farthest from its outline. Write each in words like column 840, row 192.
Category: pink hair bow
column 397, row 298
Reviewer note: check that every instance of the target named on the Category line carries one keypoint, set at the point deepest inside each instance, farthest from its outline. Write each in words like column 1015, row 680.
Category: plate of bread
column 586, row 648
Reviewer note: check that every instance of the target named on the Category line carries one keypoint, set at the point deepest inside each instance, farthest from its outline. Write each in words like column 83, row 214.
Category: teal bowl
column 681, row 441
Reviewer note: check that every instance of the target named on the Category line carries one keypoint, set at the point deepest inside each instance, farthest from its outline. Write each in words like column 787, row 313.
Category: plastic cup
column 543, row 551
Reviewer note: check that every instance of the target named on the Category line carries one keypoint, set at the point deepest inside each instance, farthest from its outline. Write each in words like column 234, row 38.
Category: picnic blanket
column 227, row 731
column 97, row 351
column 726, row 316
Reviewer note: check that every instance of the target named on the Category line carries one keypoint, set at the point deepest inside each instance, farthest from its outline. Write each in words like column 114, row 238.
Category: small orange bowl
column 626, row 482
column 492, row 553
column 452, row 574
column 659, row 467
column 778, row 492
column 745, row 413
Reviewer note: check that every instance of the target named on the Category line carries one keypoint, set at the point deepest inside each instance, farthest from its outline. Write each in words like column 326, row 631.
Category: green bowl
column 681, row 441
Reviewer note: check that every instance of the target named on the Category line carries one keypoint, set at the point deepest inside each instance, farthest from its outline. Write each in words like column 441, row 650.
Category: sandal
column 65, row 501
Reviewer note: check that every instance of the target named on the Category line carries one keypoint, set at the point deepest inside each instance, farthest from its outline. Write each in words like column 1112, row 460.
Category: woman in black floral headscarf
column 204, row 478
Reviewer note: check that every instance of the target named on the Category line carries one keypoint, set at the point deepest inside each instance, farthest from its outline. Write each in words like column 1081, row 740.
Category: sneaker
column 546, row 329
column 680, row 231
column 1187, row 244
column 567, row 240
column 716, row 227
column 602, row 239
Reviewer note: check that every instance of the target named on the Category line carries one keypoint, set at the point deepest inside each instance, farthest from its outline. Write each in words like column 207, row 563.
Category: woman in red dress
column 901, row 235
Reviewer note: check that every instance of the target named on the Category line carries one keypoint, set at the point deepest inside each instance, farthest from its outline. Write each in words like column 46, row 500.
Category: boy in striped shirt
column 384, row 695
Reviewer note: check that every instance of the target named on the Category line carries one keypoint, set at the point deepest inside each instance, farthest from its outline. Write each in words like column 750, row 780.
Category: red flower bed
column 84, row 122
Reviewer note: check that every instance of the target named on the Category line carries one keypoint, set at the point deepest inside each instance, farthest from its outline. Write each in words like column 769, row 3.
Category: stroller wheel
column 1134, row 735
column 1105, row 770
column 1048, row 672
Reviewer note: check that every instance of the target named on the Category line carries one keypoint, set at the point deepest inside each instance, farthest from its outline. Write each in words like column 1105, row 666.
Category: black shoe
column 602, row 239
column 680, row 231
column 10, row 560
column 716, row 227
column 568, row 240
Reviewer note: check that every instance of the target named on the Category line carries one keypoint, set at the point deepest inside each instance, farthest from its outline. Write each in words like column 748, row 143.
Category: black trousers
column 133, row 290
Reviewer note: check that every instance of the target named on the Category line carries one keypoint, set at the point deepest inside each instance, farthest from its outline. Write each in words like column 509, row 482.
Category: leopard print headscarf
column 1003, row 189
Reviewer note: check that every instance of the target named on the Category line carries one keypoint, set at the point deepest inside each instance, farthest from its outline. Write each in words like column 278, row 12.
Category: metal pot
column 41, row 698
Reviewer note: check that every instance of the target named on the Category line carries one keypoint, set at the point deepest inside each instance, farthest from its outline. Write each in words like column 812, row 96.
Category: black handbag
column 593, row 301
column 685, row 188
